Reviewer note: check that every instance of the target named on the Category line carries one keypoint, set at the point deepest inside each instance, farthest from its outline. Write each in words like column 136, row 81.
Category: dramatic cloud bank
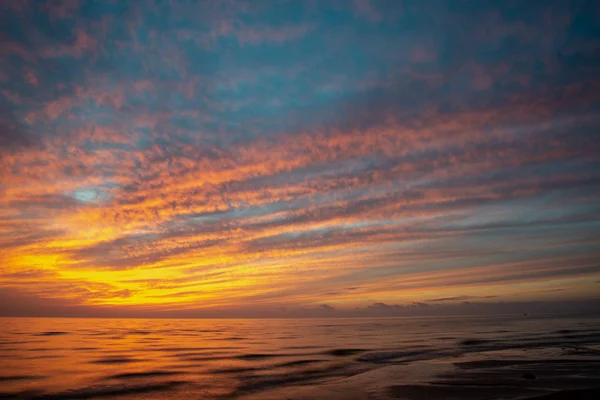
column 261, row 157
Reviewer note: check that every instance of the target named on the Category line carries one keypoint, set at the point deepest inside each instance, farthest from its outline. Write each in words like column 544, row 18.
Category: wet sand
column 488, row 379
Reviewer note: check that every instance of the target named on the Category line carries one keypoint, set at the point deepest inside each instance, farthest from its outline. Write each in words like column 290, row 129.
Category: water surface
column 48, row 358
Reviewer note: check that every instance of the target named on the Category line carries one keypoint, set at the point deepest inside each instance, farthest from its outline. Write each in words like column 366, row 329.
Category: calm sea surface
column 46, row 358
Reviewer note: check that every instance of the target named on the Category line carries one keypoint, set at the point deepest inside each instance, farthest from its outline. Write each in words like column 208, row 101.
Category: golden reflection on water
column 208, row 358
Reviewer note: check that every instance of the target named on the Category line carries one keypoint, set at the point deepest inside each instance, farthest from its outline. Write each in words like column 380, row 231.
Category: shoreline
column 447, row 380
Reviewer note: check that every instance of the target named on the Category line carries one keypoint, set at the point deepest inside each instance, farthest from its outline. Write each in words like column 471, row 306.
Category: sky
column 298, row 158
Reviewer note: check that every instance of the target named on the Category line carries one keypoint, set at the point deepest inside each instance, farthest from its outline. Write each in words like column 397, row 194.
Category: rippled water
column 47, row 358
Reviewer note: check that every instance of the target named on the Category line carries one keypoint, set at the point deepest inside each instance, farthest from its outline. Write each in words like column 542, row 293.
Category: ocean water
column 434, row 357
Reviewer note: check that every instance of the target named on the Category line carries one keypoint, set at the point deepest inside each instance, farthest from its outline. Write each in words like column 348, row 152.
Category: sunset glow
column 296, row 157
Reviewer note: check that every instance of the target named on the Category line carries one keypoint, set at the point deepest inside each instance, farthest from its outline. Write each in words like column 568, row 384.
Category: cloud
column 391, row 307
column 258, row 35
column 458, row 298
column 364, row 7
column 82, row 43
column 303, row 157
column 383, row 306
column 448, row 299
column 13, row 134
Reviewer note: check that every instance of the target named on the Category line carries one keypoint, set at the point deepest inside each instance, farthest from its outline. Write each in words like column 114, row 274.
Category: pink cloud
column 31, row 78
column 84, row 43
column 260, row 34
column 423, row 54
column 8, row 48
column 63, row 8
column 12, row 97
column 18, row 6
column 366, row 9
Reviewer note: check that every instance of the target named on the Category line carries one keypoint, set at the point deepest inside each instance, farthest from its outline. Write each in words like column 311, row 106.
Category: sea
column 470, row 357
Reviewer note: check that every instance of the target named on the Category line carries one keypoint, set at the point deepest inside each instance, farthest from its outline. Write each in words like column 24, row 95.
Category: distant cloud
column 420, row 304
column 13, row 134
column 327, row 307
column 365, row 8
column 448, row 299
column 458, row 298
column 383, row 306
